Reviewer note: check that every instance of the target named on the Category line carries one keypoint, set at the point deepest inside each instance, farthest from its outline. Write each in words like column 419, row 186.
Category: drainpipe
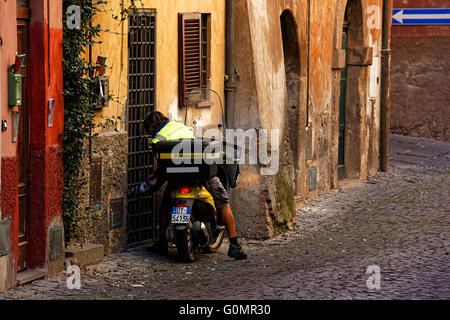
column 385, row 116
column 231, row 77
column 308, row 97
column 1, row 85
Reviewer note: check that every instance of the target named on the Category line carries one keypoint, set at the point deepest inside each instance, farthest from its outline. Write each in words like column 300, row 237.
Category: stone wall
column 420, row 76
column 109, row 155
column 6, row 257
column 420, row 85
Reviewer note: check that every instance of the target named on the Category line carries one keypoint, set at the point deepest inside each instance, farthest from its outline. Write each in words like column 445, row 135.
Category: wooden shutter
column 190, row 54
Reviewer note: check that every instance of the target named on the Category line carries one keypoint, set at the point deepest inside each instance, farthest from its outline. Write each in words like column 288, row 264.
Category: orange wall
column 8, row 32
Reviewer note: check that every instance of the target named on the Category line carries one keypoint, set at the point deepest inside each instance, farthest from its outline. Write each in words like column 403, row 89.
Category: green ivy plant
column 79, row 112
column 80, row 91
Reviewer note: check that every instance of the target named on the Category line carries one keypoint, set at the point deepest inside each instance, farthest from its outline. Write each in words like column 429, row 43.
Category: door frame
column 358, row 58
column 342, row 105
column 134, row 240
column 23, row 20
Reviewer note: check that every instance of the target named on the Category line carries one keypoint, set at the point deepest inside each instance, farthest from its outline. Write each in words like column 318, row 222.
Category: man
column 160, row 128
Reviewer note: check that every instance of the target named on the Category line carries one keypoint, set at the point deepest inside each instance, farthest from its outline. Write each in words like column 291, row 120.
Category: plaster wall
column 111, row 149
column 45, row 162
column 8, row 34
column 258, row 58
column 420, row 76
column 114, row 47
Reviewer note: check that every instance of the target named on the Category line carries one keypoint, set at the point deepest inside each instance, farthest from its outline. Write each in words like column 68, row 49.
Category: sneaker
column 235, row 251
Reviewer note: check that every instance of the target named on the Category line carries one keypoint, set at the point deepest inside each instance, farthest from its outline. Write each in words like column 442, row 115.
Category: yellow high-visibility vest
column 173, row 131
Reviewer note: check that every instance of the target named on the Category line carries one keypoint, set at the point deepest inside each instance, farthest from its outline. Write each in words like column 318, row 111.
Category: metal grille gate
column 141, row 100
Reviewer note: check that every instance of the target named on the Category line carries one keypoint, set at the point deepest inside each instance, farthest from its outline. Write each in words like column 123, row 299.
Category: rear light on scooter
column 185, row 190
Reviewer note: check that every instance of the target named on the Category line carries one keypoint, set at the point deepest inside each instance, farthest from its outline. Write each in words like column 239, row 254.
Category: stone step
column 85, row 254
column 298, row 202
column 346, row 184
column 30, row 275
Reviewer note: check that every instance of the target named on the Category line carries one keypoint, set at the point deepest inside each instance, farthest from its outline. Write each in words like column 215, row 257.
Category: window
column 194, row 56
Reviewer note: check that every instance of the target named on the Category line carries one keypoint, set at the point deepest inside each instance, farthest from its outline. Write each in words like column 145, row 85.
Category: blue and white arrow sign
column 434, row 16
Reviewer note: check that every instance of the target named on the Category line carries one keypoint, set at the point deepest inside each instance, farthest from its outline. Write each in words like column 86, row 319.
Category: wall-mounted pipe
column 385, row 112
column 230, row 85
column 308, row 96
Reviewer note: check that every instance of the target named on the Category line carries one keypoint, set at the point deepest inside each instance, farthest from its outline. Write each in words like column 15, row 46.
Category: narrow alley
column 397, row 221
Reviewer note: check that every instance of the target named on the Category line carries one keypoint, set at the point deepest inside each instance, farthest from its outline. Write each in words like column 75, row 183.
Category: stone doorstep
column 30, row 275
column 298, row 203
column 86, row 254
column 349, row 183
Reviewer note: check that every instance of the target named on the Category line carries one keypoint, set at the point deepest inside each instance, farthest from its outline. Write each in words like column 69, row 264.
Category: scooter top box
column 188, row 158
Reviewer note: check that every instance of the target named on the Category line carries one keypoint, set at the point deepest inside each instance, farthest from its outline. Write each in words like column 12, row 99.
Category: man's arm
column 154, row 175
column 154, row 181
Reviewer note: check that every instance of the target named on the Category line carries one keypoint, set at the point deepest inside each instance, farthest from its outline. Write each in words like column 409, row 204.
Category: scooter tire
column 186, row 246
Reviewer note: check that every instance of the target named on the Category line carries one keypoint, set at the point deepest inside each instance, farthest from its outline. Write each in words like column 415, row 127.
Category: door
column 141, row 100
column 23, row 143
column 342, row 106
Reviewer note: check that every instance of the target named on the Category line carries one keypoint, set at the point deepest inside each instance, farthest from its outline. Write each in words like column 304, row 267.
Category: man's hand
column 149, row 183
column 144, row 187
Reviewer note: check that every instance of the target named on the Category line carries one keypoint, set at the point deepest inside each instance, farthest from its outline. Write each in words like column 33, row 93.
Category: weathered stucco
column 110, row 148
column 6, row 272
column 257, row 51
column 114, row 47
column 44, row 165
column 420, row 94
column 420, row 76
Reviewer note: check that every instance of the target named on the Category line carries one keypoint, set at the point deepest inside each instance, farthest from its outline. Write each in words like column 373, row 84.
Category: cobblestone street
column 399, row 221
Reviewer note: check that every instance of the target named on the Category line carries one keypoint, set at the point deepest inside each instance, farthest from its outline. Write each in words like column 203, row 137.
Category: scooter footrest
column 218, row 230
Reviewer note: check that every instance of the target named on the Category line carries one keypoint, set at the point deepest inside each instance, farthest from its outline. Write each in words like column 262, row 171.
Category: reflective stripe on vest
column 173, row 131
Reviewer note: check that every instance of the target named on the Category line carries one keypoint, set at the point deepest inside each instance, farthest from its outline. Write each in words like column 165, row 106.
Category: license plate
column 181, row 215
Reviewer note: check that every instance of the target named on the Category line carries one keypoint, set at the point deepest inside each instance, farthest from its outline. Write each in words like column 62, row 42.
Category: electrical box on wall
column 5, row 237
column 95, row 184
column 15, row 124
column 309, row 137
column 312, row 178
column 51, row 112
column 117, row 213
column 102, row 99
column 56, row 243
column 14, row 89
column 15, row 82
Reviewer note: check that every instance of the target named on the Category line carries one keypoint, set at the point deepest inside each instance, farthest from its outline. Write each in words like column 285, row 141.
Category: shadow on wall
column 291, row 51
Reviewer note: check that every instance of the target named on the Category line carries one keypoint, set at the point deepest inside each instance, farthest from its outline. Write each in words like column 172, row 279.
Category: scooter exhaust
column 200, row 232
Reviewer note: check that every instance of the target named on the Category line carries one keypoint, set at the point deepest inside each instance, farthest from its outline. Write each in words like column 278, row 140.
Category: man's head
column 153, row 121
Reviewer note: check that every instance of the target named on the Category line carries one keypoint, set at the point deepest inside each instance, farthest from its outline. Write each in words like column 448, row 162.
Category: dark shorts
column 220, row 195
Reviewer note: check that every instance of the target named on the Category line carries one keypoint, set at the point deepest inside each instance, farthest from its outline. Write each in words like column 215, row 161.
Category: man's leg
column 228, row 221
column 222, row 202
column 161, row 246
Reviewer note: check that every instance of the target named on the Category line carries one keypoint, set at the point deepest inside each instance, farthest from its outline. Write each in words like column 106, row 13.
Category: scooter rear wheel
column 187, row 247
